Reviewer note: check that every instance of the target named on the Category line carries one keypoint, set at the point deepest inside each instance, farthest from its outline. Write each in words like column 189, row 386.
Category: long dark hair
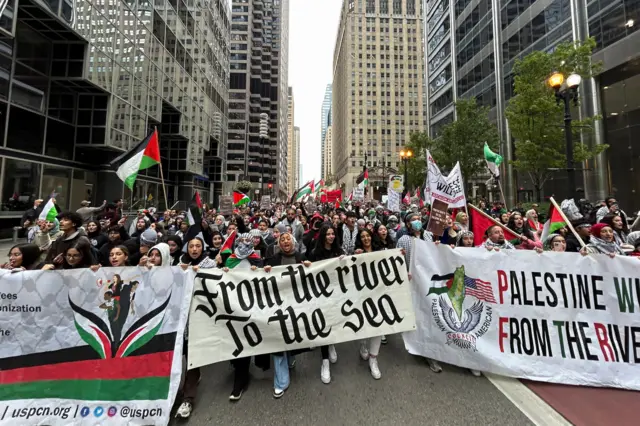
column 84, row 248
column 98, row 229
column 379, row 243
column 526, row 229
column 30, row 255
column 322, row 238
column 358, row 244
column 608, row 219
column 186, row 258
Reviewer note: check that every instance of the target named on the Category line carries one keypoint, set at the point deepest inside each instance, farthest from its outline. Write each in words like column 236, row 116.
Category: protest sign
column 448, row 189
column 243, row 312
column 358, row 194
column 438, row 218
column 396, row 182
column 393, row 202
column 552, row 317
column 226, row 205
column 79, row 346
column 265, row 202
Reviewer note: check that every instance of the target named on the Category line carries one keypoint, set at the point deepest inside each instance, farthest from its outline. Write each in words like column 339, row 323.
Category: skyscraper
column 100, row 77
column 296, row 156
column 327, row 165
column 378, row 85
column 291, row 142
column 259, row 63
column 471, row 51
column 325, row 122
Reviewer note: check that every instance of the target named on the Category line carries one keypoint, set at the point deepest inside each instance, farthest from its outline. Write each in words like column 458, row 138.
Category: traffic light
column 270, row 185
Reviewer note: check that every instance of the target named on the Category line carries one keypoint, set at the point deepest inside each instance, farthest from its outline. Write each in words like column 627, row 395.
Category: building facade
column 471, row 50
column 296, row 158
column 291, row 141
column 327, row 145
column 258, row 84
column 83, row 81
column 325, row 121
column 378, row 87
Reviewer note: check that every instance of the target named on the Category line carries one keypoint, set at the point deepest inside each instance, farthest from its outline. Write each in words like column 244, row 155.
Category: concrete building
column 325, row 121
column 487, row 37
column 259, row 67
column 327, row 145
column 378, row 87
column 291, row 141
column 296, row 158
column 91, row 79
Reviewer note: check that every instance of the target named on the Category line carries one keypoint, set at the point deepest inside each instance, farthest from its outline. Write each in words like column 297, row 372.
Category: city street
column 408, row 394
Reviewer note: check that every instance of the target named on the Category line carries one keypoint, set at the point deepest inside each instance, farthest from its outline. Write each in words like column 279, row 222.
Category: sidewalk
column 5, row 246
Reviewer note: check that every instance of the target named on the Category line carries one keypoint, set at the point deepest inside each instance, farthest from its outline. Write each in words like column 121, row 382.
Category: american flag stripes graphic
column 479, row 289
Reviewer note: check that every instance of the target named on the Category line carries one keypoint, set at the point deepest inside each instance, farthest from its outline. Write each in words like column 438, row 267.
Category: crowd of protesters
column 292, row 234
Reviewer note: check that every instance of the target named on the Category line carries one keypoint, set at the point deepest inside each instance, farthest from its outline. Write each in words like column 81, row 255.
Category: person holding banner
column 23, row 257
column 283, row 361
column 369, row 348
column 602, row 242
column 406, row 244
column 555, row 243
column 196, row 255
column 327, row 248
column 495, row 239
column 530, row 239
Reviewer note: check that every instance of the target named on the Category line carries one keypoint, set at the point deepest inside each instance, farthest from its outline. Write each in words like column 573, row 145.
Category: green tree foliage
column 535, row 117
column 244, row 186
column 463, row 140
column 417, row 165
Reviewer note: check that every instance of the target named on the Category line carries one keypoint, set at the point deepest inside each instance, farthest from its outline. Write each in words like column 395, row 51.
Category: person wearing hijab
column 602, row 241
column 620, row 229
column 175, row 249
column 23, row 257
column 555, row 243
column 311, row 236
column 97, row 238
column 283, row 361
column 220, row 223
column 243, row 257
column 465, row 239
column 327, row 248
column 196, row 255
column 216, row 244
column 462, row 221
column 532, row 221
column 259, row 246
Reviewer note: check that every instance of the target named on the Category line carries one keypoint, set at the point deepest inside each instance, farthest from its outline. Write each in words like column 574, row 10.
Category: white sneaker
column 184, row 411
column 476, row 373
column 434, row 366
column 325, row 372
column 373, row 367
column 364, row 352
column 333, row 355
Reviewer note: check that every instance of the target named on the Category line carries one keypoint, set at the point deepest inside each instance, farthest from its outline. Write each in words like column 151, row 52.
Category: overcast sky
column 313, row 25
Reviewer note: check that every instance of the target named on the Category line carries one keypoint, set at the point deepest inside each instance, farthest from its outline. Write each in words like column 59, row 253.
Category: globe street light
column 405, row 155
column 567, row 91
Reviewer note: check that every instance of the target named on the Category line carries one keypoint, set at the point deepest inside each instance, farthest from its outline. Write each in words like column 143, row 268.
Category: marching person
column 327, row 248
column 495, row 239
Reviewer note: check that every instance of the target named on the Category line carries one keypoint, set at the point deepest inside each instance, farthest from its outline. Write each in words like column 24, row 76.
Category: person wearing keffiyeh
column 602, row 241
column 495, row 239
column 464, row 239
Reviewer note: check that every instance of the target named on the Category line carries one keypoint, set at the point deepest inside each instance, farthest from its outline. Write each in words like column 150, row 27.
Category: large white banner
column 244, row 312
column 448, row 189
column 552, row 317
column 85, row 348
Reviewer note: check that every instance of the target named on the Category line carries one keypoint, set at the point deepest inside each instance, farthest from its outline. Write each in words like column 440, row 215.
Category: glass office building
column 471, row 49
column 82, row 81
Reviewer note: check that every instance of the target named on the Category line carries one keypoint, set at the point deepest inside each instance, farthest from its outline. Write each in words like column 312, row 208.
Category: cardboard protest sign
column 78, row 344
column 226, row 205
column 438, row 218
column 244, row 312
column 552, row 317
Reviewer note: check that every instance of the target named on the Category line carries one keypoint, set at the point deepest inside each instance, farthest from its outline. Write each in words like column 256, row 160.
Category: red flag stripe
column 132, row 367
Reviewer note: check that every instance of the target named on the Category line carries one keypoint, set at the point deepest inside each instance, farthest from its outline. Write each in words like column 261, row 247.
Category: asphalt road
column 408, row 394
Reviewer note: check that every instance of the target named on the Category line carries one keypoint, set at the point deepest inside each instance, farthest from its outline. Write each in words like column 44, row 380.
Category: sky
column 313, row 25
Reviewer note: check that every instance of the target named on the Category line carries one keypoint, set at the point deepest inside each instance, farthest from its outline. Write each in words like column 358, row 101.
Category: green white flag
column 493, row 160
column 49, row 212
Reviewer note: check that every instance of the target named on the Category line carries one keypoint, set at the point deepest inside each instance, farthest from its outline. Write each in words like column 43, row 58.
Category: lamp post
column 405, row 155
column 567, row 91
column 264, row 135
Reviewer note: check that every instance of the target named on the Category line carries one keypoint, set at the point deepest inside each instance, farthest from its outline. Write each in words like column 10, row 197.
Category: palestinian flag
column 319, row 187
column 480, row 222
column 240, row 199
column 49, row 211
column 144, row 155
column 419, row 197
column 197, row 200
column 363, row 179
column 305, row 191
column 554, row 223
column 135, row 366
column 227, row 247
column 493, row 160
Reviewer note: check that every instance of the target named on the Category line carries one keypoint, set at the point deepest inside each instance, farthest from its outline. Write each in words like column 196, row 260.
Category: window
column 371, row 6
column 442, row 102
column 397, row 7
column 21, row 181
column 384, row 6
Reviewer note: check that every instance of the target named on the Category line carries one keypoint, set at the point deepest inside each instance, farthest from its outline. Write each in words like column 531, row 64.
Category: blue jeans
column 281, row 370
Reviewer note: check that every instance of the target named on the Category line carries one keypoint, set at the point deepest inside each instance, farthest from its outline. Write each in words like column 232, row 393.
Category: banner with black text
column 552, row 317
column 242, row 312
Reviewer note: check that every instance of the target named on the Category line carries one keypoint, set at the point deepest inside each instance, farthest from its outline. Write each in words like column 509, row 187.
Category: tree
column 536, row 118
column 417, row 165
column 463, row 140
column 244, row 186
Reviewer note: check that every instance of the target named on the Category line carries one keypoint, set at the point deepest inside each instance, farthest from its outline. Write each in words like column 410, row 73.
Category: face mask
column 416, row 225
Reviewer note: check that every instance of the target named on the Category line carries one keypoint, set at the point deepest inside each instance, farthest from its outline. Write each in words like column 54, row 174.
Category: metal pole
column 262, row 167
column 566, row 97
column 406, row 177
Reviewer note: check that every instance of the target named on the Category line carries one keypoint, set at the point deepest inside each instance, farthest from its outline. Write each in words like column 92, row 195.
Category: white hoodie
column 165, row 253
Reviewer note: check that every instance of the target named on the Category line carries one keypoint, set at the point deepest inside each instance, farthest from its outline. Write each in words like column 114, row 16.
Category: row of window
column 397, row 7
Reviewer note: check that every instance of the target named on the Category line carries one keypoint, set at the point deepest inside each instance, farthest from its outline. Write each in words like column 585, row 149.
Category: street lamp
column 567, row 91
column 405, row 155
column 264, row 135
